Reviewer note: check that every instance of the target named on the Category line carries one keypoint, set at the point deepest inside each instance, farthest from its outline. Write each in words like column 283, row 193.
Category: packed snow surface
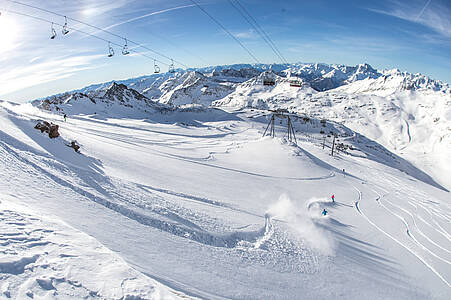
column 196, row 203
column 176, row 193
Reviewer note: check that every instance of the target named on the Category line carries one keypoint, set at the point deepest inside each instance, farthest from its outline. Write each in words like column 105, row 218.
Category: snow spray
column 302, row 218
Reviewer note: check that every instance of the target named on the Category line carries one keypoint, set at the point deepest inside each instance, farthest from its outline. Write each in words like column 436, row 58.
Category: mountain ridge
column 335, row 73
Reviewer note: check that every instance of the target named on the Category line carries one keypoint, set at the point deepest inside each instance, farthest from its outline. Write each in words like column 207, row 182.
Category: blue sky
column 414, row 36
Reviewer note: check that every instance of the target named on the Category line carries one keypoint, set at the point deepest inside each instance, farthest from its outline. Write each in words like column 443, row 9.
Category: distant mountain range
column 407, row 113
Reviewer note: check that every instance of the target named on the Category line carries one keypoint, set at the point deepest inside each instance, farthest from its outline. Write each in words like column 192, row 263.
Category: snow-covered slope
column 44, row 258
column 117, row 100
column 189, row 88
column 407, row 113
column 212, row 209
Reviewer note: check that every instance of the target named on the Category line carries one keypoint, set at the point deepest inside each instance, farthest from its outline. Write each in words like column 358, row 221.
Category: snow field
column 213, row 210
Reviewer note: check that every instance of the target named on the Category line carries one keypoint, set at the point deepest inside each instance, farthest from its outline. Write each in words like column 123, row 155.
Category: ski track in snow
column 427, row 264
column 187, row 217
column 134, row 141
column 417, row 229
column 191, row 232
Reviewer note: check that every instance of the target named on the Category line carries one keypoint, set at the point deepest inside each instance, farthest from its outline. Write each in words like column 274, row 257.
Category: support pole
column 289, row 128
column 294, row 134
column 333, row 145
column 269, row 123
column 291, row 134
column 272, row 126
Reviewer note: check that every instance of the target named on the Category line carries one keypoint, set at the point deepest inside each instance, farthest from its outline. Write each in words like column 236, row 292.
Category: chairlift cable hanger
column 98, row 28
column 82, row 32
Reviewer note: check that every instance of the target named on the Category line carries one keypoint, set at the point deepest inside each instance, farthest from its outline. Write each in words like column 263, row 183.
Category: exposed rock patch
column 50, row 128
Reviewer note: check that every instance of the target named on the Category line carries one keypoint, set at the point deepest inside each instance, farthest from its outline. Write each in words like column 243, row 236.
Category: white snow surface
column 193, row 202
column 44, row 258
column 414, row 123
column 175, row 192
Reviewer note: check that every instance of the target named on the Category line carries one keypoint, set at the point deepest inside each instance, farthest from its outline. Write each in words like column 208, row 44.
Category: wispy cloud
column 247, row 34
column 92, row 8
column 430, row 14
column 148, row 15
column 50, row 70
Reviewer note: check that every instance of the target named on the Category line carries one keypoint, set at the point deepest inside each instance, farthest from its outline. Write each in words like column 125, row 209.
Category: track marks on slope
column 417, row 230
column 410, row 232
column 160, row 219
column 129, row 142
column 427, row 264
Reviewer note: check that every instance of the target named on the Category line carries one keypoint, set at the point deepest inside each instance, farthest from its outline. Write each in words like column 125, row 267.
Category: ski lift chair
column 110, row 50
column 171, row 67
column 268, row 79
column 125, row 49
column 156, row 67
column 64, row 31
column 295, row 82
column 53, row 33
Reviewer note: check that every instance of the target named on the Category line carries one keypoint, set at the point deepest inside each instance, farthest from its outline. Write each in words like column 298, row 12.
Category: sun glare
column 8, row 32
column 89, row 11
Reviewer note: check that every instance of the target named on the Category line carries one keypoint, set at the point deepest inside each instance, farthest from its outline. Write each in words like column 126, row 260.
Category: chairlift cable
column 98, row 28
column 82, row 32
column 256, row 29
column 226, row 31
column 261, row 29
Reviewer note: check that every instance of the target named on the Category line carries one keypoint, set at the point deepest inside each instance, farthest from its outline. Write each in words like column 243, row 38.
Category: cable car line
column 98, row 28
column 85, row 33
column 225, row 29
column 261, row 29
column 249, row 19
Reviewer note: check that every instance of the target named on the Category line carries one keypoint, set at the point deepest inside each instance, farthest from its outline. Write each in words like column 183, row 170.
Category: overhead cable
column 226, row 31
column 100, row 29
column 260, row 30
column 82, row 32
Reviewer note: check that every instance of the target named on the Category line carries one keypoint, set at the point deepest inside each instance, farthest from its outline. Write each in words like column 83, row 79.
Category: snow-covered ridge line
column 321, row 76
column 410, row 114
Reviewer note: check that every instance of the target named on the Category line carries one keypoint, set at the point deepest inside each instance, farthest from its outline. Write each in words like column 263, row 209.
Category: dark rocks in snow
column 243, row 72
column 52, row 102
column 324, row 84
column 74, row 145
column 50, row 128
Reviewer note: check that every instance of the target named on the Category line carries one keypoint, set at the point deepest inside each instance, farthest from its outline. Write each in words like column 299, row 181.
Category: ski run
column 176, row 194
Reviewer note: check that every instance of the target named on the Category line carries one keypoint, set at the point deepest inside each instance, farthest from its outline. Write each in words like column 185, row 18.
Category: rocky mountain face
column 189, row 88
column 116, row 97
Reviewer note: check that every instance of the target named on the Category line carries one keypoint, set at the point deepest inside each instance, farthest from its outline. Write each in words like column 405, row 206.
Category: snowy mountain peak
column 120, row 92
column 207, row 85
column 363, row 68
